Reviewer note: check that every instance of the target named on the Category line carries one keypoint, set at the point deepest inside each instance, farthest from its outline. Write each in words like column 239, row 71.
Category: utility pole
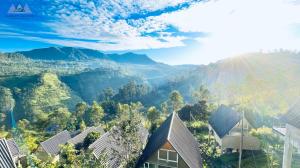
column 242, row 139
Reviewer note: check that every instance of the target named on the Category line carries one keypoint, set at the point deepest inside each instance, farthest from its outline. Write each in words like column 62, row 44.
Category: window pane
column 151, row 165
column 163, row 154
column 162, row 167
column 172, row 156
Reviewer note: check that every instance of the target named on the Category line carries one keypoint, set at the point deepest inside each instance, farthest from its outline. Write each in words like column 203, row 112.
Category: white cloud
column 107, row 21
column 237, row 26
column 234, row 26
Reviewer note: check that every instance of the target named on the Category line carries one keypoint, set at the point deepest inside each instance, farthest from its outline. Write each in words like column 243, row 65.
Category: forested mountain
column 268, row 83
column 76, row 54
column 89, row 85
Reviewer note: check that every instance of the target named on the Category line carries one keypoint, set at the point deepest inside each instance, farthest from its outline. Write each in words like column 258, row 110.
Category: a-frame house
column 172, row 145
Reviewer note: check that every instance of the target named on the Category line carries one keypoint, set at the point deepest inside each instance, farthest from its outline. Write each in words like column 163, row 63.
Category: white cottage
column 225, row 124
column 292, row 134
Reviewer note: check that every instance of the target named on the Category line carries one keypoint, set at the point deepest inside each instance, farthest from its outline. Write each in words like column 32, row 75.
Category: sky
column 169, row 31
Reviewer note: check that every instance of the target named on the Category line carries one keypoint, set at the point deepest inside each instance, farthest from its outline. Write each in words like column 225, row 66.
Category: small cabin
column 171, row 145
column 226, row 124
column 292, row 134
column 51, row 147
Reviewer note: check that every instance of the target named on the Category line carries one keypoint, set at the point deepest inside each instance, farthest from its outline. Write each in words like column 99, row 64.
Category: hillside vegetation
column 268, row 83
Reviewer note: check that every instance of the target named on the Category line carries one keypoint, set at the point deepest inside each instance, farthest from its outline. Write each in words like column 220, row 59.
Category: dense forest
column 79, row 88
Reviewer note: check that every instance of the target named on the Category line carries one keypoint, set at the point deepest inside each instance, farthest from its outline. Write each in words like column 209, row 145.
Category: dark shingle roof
column 13, row 147
column 80, row 137
column 6, row 159
column 176, row 133
column 223, row 120
column 292, row 117
column 52, row 145
column 105, row 145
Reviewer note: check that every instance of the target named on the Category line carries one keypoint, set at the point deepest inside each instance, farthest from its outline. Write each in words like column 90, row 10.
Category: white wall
column 292, row 139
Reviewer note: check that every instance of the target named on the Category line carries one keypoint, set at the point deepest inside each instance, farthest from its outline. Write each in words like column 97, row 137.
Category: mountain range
column 266, row 82
column 76, row 54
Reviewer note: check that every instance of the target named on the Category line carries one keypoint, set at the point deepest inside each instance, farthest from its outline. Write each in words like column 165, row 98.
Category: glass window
column 146, row 165
column 162, row 167
column 159, row 166
column 173, row 156
column 151, row 165
column 163, row 154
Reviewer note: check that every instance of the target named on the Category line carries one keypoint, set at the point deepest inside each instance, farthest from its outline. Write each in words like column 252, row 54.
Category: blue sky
column 170, row 31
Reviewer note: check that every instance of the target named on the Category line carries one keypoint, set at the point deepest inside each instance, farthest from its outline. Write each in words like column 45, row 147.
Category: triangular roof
column 292, row 117
column 6, row 159
column 176, row 133
column 223, row 120
column 52, row 145
column 80, row 137
column 13, row 147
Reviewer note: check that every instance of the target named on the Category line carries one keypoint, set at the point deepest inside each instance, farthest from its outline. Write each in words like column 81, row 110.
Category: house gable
column 173, row 134
column 223, row 120
column 167, row 156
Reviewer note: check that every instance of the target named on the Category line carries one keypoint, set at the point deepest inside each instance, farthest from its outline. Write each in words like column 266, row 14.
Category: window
column 163, row 166
column 163, row 154
column 173, row 156
column 149, row 165
column 146, row 165
column 160, row 166
column 167, row 155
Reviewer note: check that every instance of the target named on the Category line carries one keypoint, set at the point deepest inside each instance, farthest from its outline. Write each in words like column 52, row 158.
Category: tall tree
column 164, row 108
column 90, row 138
column 201, row 94
column 197, row 111
column 153, row 114
column 176, row 100
column 59, row 118
column 125, row 134
column 81, row 109
column 94, row 114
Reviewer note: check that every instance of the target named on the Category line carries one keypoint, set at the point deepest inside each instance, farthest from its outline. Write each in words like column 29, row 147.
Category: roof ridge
column 180, row 123
column 170, row 126
column 55, row 135
column 101, row 137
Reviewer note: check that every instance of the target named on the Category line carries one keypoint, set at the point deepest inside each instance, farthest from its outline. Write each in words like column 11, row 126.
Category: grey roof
column 105, row 145
column 6, row 159
column 292, row 117
column 52, row 145
column 281, row 131
column 223, row 120
column 13, row 147
column 80, row 137
column 176, row 133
